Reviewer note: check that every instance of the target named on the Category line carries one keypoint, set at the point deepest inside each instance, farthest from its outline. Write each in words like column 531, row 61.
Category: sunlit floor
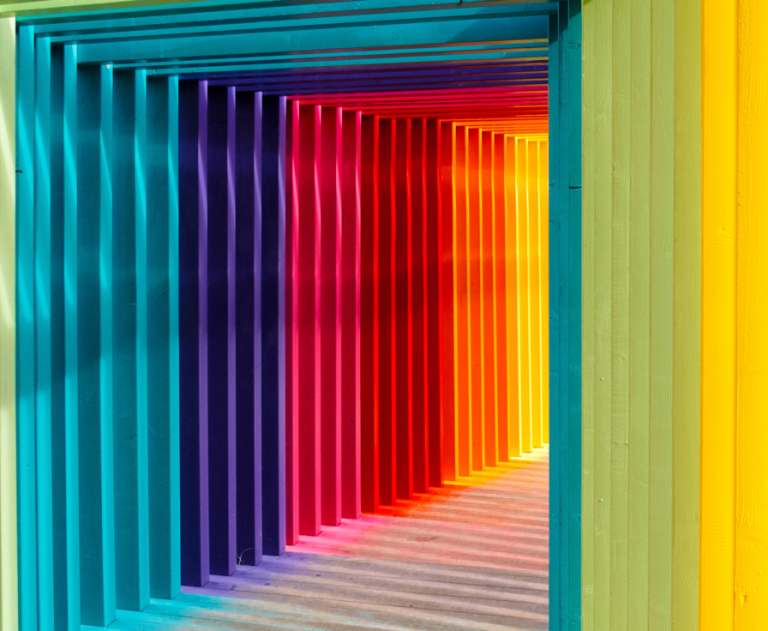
column 473, row 555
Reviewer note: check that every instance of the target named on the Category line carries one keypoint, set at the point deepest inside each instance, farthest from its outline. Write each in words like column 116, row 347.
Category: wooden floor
column 473, row 555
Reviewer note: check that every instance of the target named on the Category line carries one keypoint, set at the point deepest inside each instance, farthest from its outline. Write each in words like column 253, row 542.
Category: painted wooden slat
column 386, row 218
column 193, row 199
column 220, row 331
column 503, row 393
column 43, row 326
column 511, row 263
column 522, row 233
column 475, row 310
column 640, row 231
column 291, row 347
column 544, row 284
column 686, row 478
column 308, row 367
column 162, row 492
column 97, row 603
column 248, row 288
column 432, row 250
column 71, row 332
column 25, row 325
column 718, row 316
column 402, row 323
column 534, row 294
column 488, row 301
column 273, row 323
column 462, row 375
column 662, row 314
column 751, row 552
column 329, row 287
column 369, row 314
column 9, row 598
column 419, row 338
column 446, row 141
column 351, row 325
column 129, row 209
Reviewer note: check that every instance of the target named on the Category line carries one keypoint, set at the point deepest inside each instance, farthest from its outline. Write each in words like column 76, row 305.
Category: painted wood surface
column 8, row 432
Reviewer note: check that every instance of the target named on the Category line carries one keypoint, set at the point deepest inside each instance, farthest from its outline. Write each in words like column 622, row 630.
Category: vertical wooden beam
column 273, row 321
column 505, row 397
column 534, row 291
column 717, row 603
column 71, row 325
column 387, row 424
column 475, row 310
column 523, row 293
column 43, row 333
column 162, row 497
column 419, row 339
column 488, row 300
column 751, row 549
column 96, row 529
column 220, row 331
column 402, row 291
column 432, row 236
column 329, row 288
column 449, row 408
column 369, row 313
column 351, row 377
column 248, row 246
column 193, row 200
column 544, row 275
column 511, row 268
column 292, row 348
column 462, row 373
column 9, row 596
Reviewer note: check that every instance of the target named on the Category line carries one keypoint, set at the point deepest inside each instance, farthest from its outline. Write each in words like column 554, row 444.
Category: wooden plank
column 71, row 328
column 274, row 286
column 248, row 315
column 514, row 390
column 462, row 375
column 475, row 307
column 662, row 316
column 402, row 305
column 43, row 326
column 9, row 575
column 329, row 286
column 351, row 325
column 221, row 331
column 432, row 234
column 308, row 367
column 544, row 287
column 751, row 550
column 369, row 315
column 162, row 492
column 488, row 300
column 195, row 561
column 419, row 339
column 446, row 137
column 386, row 218
column 718, row 316
column 522, row 232
column 686, row 411
column 534, row 294
column 95, row 441
column 504, row 395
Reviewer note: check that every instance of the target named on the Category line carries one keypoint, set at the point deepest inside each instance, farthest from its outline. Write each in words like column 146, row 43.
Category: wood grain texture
column 751, row 530
column 718, row 315
column 8, row 553
column 686, row 411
